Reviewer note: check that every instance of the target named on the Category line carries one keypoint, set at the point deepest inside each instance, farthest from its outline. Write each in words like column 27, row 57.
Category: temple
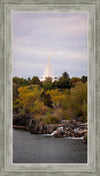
column 48, row 73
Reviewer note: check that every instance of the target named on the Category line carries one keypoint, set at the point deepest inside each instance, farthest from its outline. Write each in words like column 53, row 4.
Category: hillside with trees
column 62, row 99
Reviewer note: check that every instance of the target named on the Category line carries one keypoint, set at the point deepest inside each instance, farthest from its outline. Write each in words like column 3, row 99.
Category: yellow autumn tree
column 29, row 100
column 56, row 96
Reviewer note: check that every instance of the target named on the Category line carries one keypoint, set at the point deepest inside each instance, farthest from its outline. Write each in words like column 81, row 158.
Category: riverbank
column 65, row 128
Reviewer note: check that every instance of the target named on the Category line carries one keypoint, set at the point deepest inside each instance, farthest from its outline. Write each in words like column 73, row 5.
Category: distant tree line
column 64, row 82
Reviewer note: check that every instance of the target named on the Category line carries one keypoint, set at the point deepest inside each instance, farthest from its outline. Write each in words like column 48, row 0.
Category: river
column 33, row 148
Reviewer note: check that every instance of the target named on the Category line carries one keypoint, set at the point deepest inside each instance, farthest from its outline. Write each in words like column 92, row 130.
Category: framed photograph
column 52, row 108
column 49, row 87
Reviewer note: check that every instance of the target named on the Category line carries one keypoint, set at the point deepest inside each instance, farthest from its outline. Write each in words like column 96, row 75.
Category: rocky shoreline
column 66, row 128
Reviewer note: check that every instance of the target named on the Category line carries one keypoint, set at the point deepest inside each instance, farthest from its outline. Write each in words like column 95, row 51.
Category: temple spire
column 48, row 59
column 48, row 72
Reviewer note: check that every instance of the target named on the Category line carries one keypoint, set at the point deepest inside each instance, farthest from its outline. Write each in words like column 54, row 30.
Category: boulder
column 50, row 128
column 22, row 121
column 77, row 134
column 82, row 132
column 37, row 128
column 65, row 135
column 85, row 138
column 59, row 134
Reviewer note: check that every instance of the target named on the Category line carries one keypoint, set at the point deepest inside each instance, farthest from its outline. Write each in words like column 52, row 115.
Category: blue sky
column 62, row 36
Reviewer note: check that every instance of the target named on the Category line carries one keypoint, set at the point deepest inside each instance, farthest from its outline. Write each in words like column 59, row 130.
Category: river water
column 33, row 148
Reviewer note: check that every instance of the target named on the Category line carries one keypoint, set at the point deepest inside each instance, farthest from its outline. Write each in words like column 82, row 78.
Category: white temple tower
column 48, row 72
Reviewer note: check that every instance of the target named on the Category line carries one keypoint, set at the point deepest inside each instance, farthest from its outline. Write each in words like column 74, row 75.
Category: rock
column 66, row 128
column 21, row 121
column 37, row 128
column 82, row 132
column 51, row 128
column 59, row 134
column 48, row 129
column 68, row 133
column 77, row 134
column 65, row 135
column 64, row 121
column 71, row 126
column 60, row 125
column 85, row 138
column 71, row 134
column 21, row 127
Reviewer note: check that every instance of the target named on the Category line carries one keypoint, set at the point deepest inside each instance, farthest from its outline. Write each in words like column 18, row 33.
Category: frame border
column 91, row 7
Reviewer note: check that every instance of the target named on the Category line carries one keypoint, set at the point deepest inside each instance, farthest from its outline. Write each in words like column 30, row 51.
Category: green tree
column 20, row 81
column 28, row 81
column 56, row 84
column 64, row 81
column 35, row 80
column 65, row 75
column 46, row 98
column 74, row 81
column 47, row 85
column 75, row 102
column 84, row 79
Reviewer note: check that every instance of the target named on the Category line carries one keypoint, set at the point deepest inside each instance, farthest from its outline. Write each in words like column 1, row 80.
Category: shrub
column 74, row 81
column 50, row 119
column 75, row 102
column 59, row 113
column 46, row 98
column 68, row 114
column 47, row 85
column 84, row 111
